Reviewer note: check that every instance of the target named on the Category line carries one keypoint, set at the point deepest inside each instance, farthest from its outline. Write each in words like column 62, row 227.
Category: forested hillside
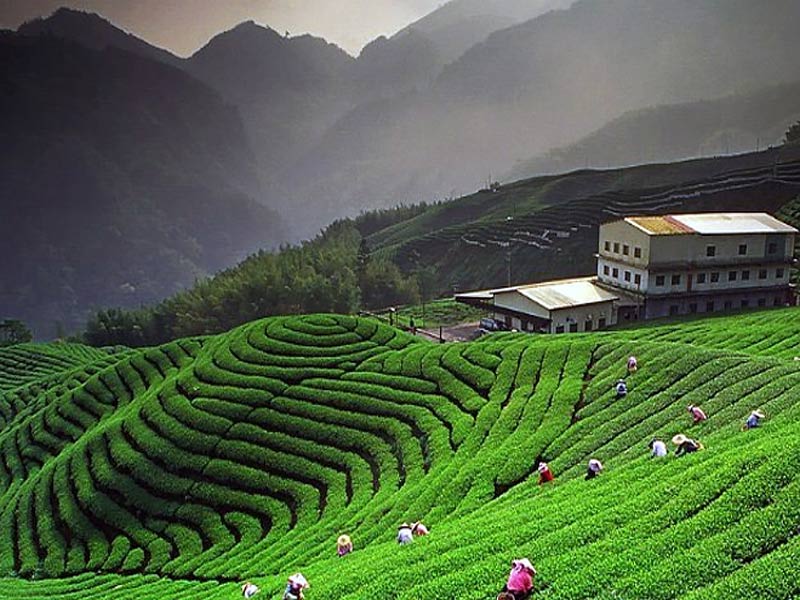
column 183, row 470
column 531, row 230
column 115, row 190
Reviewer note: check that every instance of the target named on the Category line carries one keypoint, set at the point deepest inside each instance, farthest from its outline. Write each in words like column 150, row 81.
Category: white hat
column 759, row 414
column 298, row 580
column 542, row 467
column 679, row 439
column 525, row 564
column 595, row 464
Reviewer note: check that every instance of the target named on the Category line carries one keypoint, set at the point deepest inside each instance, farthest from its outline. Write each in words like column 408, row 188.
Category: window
column 573, row 328
column 742, row 249
column 728, row 305
column 637, row 252
column 616, row 247
column 731, row 275
column 711, row 250
column 762, row 273
column 627, row 275
column 714, row 277
column 676, row 280
column 659, row 280
column 559, row 329
column 637, row 279
column 710, row 306
column 745, row 275
column 615, row 273
column 601, row 322
column 607, row 246
column 745, row 303
column 674, row 309
column 779, row 273
column 762, row 302
column 626, row 250
column 772, row 248
column 587, row 326
column 701, row 278
column 606, row 270
column 693, row 308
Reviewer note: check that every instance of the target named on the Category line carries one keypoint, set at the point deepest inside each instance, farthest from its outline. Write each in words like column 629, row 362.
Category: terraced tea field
column 181, row 471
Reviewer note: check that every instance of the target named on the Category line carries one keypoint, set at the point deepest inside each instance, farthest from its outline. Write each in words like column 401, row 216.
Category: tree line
column 334, row 272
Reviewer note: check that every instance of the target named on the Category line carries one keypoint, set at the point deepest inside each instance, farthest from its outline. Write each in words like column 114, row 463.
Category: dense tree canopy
column 335, row 272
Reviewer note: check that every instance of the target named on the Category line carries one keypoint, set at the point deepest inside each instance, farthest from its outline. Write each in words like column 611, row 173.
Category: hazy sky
column 184, row 25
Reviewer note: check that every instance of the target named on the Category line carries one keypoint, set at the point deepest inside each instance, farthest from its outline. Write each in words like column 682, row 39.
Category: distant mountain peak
column 93, row 31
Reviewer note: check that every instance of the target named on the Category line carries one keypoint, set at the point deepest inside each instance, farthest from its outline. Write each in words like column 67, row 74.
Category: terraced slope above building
column 546, row 227
column 181, row 471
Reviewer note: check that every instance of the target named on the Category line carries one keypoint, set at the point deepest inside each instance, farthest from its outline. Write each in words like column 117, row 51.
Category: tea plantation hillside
column 183, row 470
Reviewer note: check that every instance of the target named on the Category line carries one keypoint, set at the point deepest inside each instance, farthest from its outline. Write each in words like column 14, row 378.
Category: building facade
column 699, row 263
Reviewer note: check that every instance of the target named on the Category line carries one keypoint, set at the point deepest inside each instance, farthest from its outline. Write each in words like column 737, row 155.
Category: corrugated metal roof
column 711, row 224
column 567, row 293
column 553, row 295
column 720, row 223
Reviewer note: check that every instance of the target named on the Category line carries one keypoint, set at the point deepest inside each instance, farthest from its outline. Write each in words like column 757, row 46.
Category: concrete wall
column 581, row 314
column 519, row 303
column 618, row 280
column 692, row 248
column 663, row 307
column 622, row 234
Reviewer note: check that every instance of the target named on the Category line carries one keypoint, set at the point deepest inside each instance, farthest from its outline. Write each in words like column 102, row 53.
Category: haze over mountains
column 263, row 122
column 729, row 125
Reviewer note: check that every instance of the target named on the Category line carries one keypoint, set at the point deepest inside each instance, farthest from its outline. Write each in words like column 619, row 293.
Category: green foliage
column 14, row 332
column 180, row 470
column 332, row 273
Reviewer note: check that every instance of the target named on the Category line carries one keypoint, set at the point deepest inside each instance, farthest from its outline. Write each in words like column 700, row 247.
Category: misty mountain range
column 260, row 138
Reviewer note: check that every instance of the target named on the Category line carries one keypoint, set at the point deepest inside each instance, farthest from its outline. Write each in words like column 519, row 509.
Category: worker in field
column 344, row 545
column 658, row 449
column 593, row 469
column 404, row 534
column 633, row 364
column 418, row 529
column 545, row 474
column 754, row 420
column 520, row 581
column 622, row 388
column 685, row 445
column 249, row 589
column 698, row 416
column 294, row 588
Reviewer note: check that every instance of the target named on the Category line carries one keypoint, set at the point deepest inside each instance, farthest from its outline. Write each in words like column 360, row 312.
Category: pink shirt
column 698, row 414
column 519, row 580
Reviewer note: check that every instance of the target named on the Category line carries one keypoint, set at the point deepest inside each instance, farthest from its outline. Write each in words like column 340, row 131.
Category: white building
column 568, row 305
column 656, row 266
column 683, row 264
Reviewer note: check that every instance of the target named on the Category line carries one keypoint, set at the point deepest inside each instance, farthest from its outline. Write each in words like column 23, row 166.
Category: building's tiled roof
column 553, row 295
column 711, row 224
column 661, row 225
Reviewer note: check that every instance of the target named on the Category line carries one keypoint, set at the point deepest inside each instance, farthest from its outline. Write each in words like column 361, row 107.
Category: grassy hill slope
column 179, row 471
